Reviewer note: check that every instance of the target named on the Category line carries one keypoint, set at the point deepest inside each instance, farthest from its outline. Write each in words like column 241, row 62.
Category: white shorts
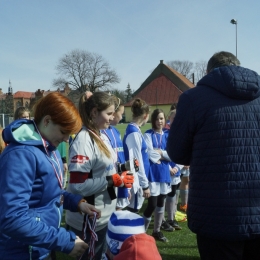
column 185, row 172
column 175, row 180
column 122, row 202
column 157, row 188
column 137, row 199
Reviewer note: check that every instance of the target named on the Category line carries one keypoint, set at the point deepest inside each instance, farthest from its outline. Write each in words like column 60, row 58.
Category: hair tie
column 118, row 104
column 88, row 94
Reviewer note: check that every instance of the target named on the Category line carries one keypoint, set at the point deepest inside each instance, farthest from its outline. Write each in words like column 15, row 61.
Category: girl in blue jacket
column 31, row 191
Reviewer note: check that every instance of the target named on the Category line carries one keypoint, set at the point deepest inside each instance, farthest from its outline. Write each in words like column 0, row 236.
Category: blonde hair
column 2, row 143
column 118, row 103
column 19, row 111
column 101, row 101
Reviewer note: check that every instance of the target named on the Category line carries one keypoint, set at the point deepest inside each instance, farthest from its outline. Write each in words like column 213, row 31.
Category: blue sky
column 132, row 35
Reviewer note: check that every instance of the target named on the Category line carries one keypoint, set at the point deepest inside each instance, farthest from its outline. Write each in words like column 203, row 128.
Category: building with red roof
column 10, row 101
column 160, row 90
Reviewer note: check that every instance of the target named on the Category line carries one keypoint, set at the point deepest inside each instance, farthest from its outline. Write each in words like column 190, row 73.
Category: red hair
column 61, row 110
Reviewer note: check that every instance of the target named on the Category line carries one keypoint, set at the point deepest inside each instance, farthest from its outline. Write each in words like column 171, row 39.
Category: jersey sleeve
column 153, row 155
column 134, row 144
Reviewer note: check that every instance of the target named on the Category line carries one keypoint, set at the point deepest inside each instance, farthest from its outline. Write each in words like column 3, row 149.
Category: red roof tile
column 181, row 77
column 160, row 91
column 23, row 94
column 162, row 87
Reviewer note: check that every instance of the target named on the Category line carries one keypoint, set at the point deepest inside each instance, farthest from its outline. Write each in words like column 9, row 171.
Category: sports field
column 182, row 243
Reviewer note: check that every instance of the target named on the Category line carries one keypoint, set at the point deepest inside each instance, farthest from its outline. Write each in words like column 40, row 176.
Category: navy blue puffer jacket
column 217, row 132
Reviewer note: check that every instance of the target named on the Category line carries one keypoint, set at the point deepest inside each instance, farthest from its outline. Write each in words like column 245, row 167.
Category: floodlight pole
column 234, row 21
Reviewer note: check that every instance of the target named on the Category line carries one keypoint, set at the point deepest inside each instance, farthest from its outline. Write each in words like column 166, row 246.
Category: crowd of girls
column 105, row 170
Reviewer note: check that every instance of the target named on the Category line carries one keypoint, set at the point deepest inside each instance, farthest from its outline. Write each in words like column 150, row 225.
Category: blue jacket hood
column 24, row 131
column 234, row 81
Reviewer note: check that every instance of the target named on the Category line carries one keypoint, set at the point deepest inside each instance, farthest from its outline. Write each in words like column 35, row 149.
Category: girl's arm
column 134, row 144
column 154, row 156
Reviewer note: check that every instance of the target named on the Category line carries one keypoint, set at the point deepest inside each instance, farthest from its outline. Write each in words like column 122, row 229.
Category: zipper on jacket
column 59, row 216
column 30, row 252
column 30, row 247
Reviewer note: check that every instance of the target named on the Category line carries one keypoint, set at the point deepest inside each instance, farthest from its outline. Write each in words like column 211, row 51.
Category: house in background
column 160, row 90
column 10, row 101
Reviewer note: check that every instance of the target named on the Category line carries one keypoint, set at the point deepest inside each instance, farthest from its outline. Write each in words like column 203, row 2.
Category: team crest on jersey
column 109, row 167
column 113, row 246
column 79, row 159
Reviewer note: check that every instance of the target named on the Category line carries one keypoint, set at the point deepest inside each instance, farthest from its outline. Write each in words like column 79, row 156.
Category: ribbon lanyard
column 95, row 134
column 52, row 159
column 158, row 144
column 94, row 237
column 136, row 126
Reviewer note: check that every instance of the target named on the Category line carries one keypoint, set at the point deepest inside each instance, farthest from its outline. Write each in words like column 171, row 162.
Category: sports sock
column 177, row 194
column 170, row 207
column 158, row 217
column 184, row 197
column 147, row 222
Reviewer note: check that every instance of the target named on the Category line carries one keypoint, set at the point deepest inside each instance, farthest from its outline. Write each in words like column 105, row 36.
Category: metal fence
column 5, row 120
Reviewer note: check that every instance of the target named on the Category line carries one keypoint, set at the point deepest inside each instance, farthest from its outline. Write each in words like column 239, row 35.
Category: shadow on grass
column 179, row 257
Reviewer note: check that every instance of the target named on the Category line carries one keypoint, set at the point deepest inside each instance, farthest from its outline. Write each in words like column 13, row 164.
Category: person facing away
column 126, row 238
column 31, row 184
column 135, row 147
column 92, row 169
column 22, row 112
column 217, row 132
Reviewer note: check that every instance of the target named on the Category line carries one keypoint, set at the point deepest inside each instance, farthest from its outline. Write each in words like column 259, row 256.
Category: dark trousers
column 100, row 245
column 154, row 201
column 214, row 249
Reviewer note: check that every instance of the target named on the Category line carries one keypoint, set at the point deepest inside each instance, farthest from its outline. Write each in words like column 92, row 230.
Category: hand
column 79, row 248
column 174, row 170
column 65, row 167
column 117, row 181
column 146, row 193
column 128, row 179
column 89, row 209
column 136, row 165
column 127, row 165
column 159, row 151
column 186, row 167
column 129, row 195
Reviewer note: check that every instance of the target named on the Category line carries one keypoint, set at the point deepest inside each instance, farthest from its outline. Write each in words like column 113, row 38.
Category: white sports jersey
column 84, row 156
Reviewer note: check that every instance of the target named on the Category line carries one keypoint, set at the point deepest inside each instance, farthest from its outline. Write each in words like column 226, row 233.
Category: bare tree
column 200, row 70
column 84, row 70
column 184, row 67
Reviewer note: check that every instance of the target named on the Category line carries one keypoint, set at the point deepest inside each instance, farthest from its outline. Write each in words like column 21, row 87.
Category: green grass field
column 182, row 243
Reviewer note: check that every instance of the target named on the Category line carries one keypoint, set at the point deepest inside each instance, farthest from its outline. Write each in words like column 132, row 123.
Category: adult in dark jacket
column 217, row 132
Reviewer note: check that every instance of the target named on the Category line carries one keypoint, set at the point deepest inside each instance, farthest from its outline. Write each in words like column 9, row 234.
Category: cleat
column 174, row 224
column 165, row 226
column 159, row 236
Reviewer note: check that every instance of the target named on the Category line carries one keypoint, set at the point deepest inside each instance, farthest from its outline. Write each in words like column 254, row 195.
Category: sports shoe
column 159, row 236
column 174, row 224
column 165, row 226
column 183, row 207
